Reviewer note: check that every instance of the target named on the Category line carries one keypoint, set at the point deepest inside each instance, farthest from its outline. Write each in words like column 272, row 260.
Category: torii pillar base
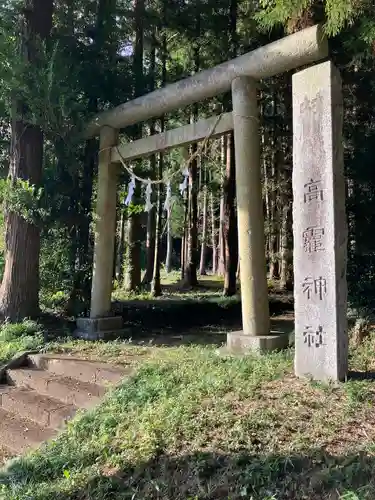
column 239, row 343
column 99, row 328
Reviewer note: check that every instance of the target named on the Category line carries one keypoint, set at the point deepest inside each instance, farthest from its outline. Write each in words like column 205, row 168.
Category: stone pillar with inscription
column 319, row 225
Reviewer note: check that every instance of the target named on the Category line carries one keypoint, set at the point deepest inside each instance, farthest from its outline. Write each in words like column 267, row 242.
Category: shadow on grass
column 212, row 476
column 208, row 335
column 175, row 321
column 180, row 315
column 359, row 375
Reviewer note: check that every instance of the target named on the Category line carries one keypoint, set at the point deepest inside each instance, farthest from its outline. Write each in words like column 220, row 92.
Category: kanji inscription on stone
column 313, row 239
column 319, row 225
column 313, row 191
column 313, row 338
column 314, row 287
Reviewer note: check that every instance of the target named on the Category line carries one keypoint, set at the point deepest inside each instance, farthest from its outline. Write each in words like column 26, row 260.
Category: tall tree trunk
column 285, row 246
column 182, row 260
column 202, row 265
column 19, row 296
column 168, row 259
column 85, row 247
column 105, row 25
column 274, row 257
column 191, row 262
column 286, row 243
column 229, row 187
column 156, row 284
column 156, row 281
column 213, row 234
column 184, row 236
column 133, row 271
column 133, row 254
column 266, row 179
column 150, row 238
column 151, row 216
column 221, row 263
column 230, row 222
column 121, row 248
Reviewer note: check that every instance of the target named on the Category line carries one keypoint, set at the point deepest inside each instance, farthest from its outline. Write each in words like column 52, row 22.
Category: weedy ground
column 194, row 424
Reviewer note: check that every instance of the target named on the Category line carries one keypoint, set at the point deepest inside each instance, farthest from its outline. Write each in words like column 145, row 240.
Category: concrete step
column 80, row 369
column 43, row 410
column 18, row 434
column 65, row 389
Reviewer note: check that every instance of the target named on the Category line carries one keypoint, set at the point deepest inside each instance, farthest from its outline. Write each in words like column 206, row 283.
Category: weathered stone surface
column 105, row 226
column 319, row 225
column 251, row 241
column 98, row 328
column 303, row 47
column 238, row 343
column 213, row 127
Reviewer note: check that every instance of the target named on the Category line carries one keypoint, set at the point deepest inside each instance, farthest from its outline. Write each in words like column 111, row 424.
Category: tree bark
column 133, row 254
column 274, row 226
column 285, row 246
column 151, row 216
column 184, row 235
column 213, row 235
column 156, row 289
column 191, row 260
column 85, row 248
column 230, row 222
column 286, row 240
column 133, row 271
column 121, row 248
column 202, row 265
column 168, row 260
column 229, row 187
column 183, row 252
column 19, row 295
column 151, row 229
column 105, row 23
column 156, row 284
column 221, row 263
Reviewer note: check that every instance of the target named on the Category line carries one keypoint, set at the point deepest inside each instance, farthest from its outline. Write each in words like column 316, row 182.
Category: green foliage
column 279, row 11
column 18, row 337
column 57, row 300
column 13, row 331
column 338, row 13
column 23, row 198
column 86, row 66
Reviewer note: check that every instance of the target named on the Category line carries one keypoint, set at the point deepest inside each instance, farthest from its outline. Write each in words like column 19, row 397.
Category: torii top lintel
column 304, row 47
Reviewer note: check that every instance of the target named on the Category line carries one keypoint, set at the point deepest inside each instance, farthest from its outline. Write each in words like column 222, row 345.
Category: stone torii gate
column 313, row 88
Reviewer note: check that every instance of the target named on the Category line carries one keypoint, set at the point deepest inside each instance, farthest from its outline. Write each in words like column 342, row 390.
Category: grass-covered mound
column 193, row 425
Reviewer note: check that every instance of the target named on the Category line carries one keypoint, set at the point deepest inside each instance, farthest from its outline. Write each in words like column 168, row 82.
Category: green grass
column 210, row 288
column 194, row 425
column 18, row 337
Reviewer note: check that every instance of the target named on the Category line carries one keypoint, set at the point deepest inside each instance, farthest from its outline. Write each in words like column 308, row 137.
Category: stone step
column 66, row 389
column 80, row 369
column 18, row 434
column 43, row 410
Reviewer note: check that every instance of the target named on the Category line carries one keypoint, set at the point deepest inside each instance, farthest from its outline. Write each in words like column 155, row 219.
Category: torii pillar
column 101, row 322
column 253, row 271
